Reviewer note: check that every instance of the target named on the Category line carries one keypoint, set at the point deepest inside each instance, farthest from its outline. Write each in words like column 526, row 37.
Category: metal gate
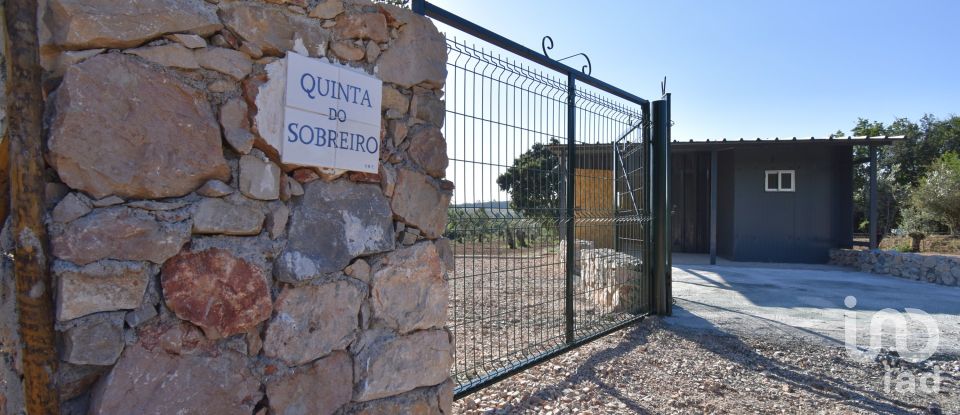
column 551, row 219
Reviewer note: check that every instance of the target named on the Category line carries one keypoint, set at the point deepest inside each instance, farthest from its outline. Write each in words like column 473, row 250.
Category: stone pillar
column 195, row 272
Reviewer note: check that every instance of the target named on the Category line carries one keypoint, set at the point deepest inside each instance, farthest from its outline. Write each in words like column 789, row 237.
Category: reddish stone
column 447, row 185
column 250, row 86
column 217, row 291
column 305, row 175
column 361, row 177
column 391, row 21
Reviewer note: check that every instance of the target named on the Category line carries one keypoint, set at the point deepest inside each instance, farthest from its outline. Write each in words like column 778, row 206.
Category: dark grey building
column 775, row 200
column 763, row 200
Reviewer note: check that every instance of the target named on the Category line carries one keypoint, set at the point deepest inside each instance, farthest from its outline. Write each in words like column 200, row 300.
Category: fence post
column 648, row 244
column 419, row 7
column 571, row 173
column 872, row 214
column 662, row 296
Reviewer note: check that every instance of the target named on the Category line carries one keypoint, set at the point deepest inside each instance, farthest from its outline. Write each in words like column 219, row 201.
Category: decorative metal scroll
column 586, row 69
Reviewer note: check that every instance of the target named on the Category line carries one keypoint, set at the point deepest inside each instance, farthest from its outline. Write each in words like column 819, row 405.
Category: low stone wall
column 579, row 246
column 611, row 279
column 938, row 269
column 196, row 273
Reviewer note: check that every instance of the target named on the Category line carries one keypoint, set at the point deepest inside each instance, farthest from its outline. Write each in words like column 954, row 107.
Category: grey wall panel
column 799, row 226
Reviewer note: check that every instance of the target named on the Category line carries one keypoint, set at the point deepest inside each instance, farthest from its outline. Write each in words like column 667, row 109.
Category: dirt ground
column 508, row 304
column 654, row 367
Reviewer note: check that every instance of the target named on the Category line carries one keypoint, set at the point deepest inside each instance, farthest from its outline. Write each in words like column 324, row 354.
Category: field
column 507, row 305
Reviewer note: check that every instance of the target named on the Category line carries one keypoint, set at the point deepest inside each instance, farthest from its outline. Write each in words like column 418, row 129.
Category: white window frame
column 780, row 173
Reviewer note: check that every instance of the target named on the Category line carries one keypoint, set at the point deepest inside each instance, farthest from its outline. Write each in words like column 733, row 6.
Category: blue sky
column 755, row 68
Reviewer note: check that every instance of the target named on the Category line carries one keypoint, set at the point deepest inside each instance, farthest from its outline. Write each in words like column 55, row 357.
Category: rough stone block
column 320, row 389
column 420, row 203
column 428, row 149
column 273, row 30
column 259, row 178
column 409, row 292
column 217, row 216
column 354, row 219
column 87, row 24
column 100, row 286
column 418, row 56
column 149, row 380
column 386, row 365
column 97, row 342
column 611, row 279
column 312, row 321
column 119, row 233
column 114, row 102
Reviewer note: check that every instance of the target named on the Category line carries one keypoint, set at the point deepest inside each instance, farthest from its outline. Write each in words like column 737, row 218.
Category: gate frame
column 656, row 131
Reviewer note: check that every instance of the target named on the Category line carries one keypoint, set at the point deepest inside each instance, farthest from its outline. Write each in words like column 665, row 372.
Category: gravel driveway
column 656, row 367
column 748, row 339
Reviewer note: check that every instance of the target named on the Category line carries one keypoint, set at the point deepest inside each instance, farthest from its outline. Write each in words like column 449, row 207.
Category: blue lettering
column 302, row 135
column 303, row 86
column 323, row 93
column 332, row 138
column 293, row 133
column 321, row 137
column 366, row 98
column 344, row 92
column 372, row 149
column 357, row 143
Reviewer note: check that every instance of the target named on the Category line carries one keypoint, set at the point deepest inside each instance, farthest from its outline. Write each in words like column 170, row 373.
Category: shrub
column 937, row 196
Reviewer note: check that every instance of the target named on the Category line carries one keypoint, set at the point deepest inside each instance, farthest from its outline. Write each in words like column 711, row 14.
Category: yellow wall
column 594, row 210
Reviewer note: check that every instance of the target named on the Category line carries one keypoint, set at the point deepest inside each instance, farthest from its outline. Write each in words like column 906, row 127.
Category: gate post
column 661, row 284
column 571, row 198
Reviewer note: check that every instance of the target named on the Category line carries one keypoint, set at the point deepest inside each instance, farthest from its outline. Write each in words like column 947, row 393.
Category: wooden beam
column 31, row 267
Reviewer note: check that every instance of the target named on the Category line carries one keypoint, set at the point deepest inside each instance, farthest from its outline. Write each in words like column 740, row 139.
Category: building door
column 690, row 190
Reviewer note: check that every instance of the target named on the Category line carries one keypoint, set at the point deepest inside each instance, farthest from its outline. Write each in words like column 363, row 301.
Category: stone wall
column 194, row 272
column 938, row 269
column 611, row 279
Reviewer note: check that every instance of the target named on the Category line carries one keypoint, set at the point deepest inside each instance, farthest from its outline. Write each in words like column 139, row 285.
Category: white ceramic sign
column 331, row 116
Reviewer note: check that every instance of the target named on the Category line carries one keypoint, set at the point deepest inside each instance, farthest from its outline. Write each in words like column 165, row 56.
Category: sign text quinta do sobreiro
column 331, row 116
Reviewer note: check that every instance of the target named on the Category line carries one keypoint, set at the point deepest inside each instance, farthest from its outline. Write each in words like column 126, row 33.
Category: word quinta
column 315, row 86
column 324, row 137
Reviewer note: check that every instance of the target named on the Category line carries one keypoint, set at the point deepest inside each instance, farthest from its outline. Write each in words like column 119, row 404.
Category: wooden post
column 31, row 267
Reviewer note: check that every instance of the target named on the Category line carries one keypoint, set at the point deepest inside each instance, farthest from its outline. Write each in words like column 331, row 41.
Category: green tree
column 902, row 165
column 533, row 182
column 938, row 194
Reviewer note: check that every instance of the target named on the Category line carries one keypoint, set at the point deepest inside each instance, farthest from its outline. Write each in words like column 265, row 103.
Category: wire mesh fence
column 512, row 290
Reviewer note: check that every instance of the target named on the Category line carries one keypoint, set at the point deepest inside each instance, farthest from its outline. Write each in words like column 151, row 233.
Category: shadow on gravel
column 635, row 337
column 732, row 349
